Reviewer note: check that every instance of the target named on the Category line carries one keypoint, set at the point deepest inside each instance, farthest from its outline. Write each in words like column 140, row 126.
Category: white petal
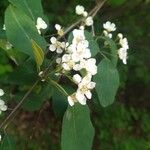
column 53, row 40
column 52, row 48
column 65, row 58
column 81, row 98
column 91, row 85
column 88, row 94
column 59, row 50
column 57, row 27
column 58, row 60
column 77, row 78
column 70, row 101
column 85, row 13
column 66, row 66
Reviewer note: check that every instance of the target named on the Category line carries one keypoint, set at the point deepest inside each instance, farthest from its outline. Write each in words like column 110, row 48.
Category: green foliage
column 20, row 29
column 107, row 80
column 77, row 129
column 32, row 8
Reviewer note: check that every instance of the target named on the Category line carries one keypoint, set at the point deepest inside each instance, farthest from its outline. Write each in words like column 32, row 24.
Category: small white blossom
column 109, row 26
column 0, row 138
column 56, row 45
column 84, row 89
column 57, row 27
column 40, row 24
column 89, row 21
column 79, row 10
column 58, row 60
column 85, row 13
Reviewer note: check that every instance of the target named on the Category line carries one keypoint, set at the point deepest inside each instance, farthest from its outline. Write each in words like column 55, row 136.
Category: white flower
column 40, row 24
column 79, row 10
column 89, row 21
column 123, row 55
column 84, row 89
column 56, row 45
column 1, row 92
column 109, row 26
column 0, row 138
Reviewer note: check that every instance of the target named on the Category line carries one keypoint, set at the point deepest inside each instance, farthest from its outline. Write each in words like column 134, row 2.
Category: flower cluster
column 3, row 107
column 77, row 57
column 80, row 10
column 108, row 29
column 123, row 42
column 122, row 52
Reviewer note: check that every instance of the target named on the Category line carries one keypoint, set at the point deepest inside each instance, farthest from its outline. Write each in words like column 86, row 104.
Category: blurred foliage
column 122, row 126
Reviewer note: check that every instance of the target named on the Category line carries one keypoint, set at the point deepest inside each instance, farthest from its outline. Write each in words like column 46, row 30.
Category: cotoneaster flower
column 41, row 24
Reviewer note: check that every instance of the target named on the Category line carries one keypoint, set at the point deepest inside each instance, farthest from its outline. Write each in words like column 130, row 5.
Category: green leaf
column 59, row 103
column 107, row 82
column 16, row 56
column 38, row 53
column 93, row 45
column 7, row 143
column 113, row 47
column 20, row 29
column 24, row 74
column 35, row 100
column 77, row 129
column 32, row 8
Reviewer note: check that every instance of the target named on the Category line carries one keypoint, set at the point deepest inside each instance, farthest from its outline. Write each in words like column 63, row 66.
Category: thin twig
column 92, row 13
column 19, row 104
